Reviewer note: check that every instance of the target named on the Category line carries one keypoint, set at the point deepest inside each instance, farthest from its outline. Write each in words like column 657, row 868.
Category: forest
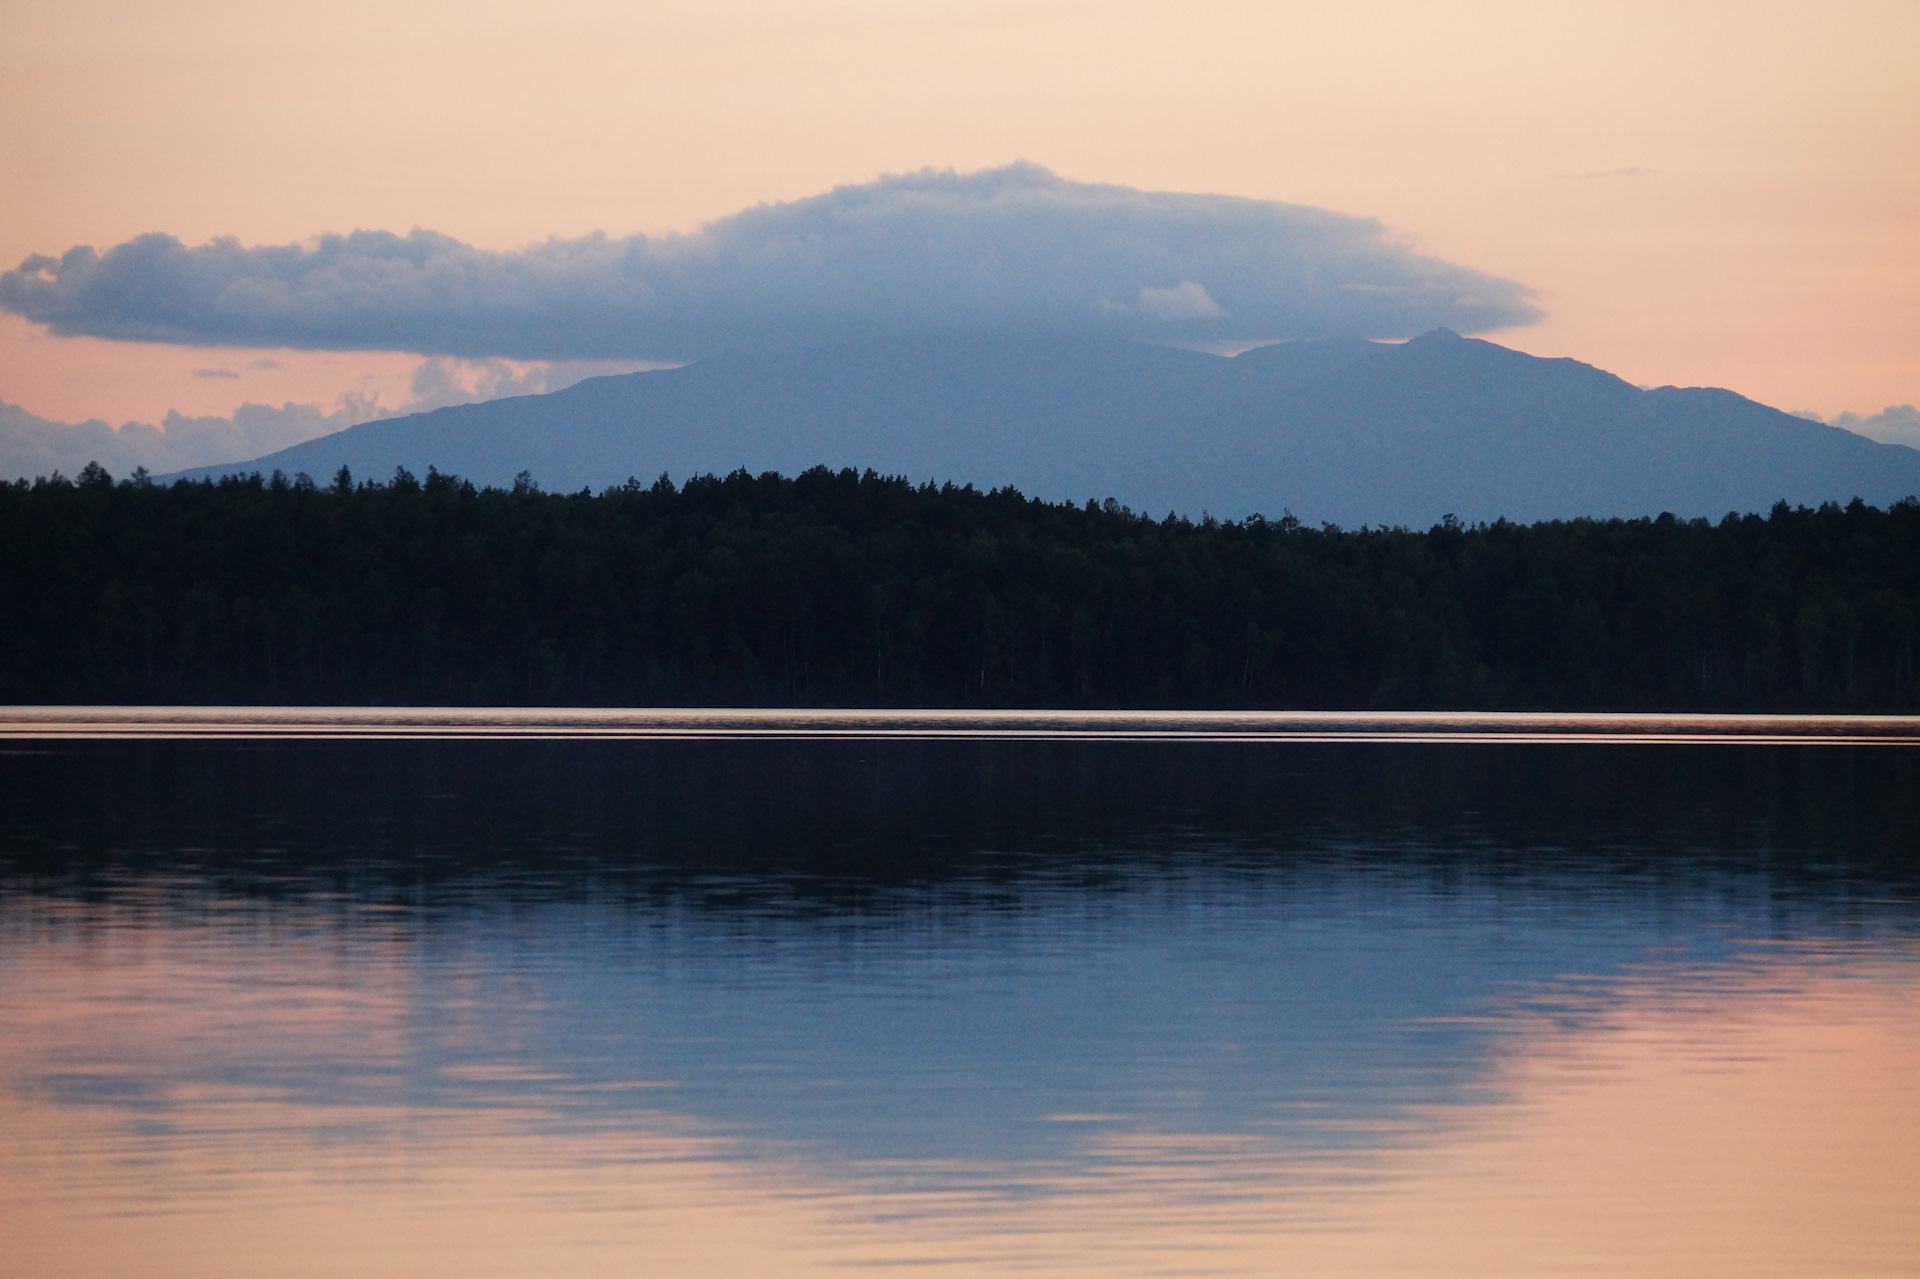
column 855, row 589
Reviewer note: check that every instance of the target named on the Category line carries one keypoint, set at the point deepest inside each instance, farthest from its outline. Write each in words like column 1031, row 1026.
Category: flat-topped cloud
column 1009, row 250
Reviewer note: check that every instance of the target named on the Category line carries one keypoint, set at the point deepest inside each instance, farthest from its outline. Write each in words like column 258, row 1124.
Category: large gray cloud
column 1009, row 250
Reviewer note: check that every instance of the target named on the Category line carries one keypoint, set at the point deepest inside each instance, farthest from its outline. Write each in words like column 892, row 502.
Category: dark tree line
column 848, row 589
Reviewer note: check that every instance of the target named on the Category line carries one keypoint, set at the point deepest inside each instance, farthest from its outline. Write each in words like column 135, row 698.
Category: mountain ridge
column 1336, row 430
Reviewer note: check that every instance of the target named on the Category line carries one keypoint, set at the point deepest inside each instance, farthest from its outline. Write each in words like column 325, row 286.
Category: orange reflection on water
column 1771, row 1127
column 1758, row 1120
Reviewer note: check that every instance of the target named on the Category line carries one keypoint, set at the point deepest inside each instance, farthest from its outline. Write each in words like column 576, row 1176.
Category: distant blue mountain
column 1339, row 430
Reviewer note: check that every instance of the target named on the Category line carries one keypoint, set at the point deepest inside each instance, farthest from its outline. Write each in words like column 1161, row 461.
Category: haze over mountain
column 1341, row 430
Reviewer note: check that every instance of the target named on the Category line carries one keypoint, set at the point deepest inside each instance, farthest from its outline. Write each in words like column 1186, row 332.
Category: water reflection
column 750, row 1009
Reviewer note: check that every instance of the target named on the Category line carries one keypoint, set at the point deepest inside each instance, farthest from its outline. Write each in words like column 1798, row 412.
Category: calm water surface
column 1006, row 1001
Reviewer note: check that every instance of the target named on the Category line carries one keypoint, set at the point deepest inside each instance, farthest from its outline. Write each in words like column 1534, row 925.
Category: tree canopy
column 842, row 588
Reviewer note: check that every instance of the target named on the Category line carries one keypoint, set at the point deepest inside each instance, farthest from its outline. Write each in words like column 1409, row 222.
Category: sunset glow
column 1699, row 194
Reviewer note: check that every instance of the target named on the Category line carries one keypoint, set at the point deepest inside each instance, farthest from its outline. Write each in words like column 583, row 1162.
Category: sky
column 1684, row 193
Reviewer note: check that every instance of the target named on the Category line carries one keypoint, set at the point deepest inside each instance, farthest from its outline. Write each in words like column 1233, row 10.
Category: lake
column 478, row 993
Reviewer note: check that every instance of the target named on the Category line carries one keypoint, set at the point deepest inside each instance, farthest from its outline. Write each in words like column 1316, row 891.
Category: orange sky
column 1701, row 193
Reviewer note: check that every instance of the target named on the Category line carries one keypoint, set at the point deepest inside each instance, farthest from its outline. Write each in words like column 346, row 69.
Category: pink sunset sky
column 1695, row 193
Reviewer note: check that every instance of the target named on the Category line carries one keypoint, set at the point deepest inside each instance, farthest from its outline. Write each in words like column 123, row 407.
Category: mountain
column 1337, row 430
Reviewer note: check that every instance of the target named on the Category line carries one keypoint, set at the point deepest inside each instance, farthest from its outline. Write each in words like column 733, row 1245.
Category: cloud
column 441, row 382
column 1185, row 301
column 34, row 446
column 1009, row 250
column 1895, row 424
column 216, row 373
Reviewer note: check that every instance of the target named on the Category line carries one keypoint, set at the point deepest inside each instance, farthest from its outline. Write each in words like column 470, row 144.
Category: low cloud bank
column 32, row 446
column 1010, row 250
column 1895, row 424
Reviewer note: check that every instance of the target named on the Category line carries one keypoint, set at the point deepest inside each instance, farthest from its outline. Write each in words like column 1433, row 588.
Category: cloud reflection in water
column 1331, row 1035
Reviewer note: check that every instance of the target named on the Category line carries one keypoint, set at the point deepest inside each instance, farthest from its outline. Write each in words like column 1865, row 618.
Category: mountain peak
column 1340, row 430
